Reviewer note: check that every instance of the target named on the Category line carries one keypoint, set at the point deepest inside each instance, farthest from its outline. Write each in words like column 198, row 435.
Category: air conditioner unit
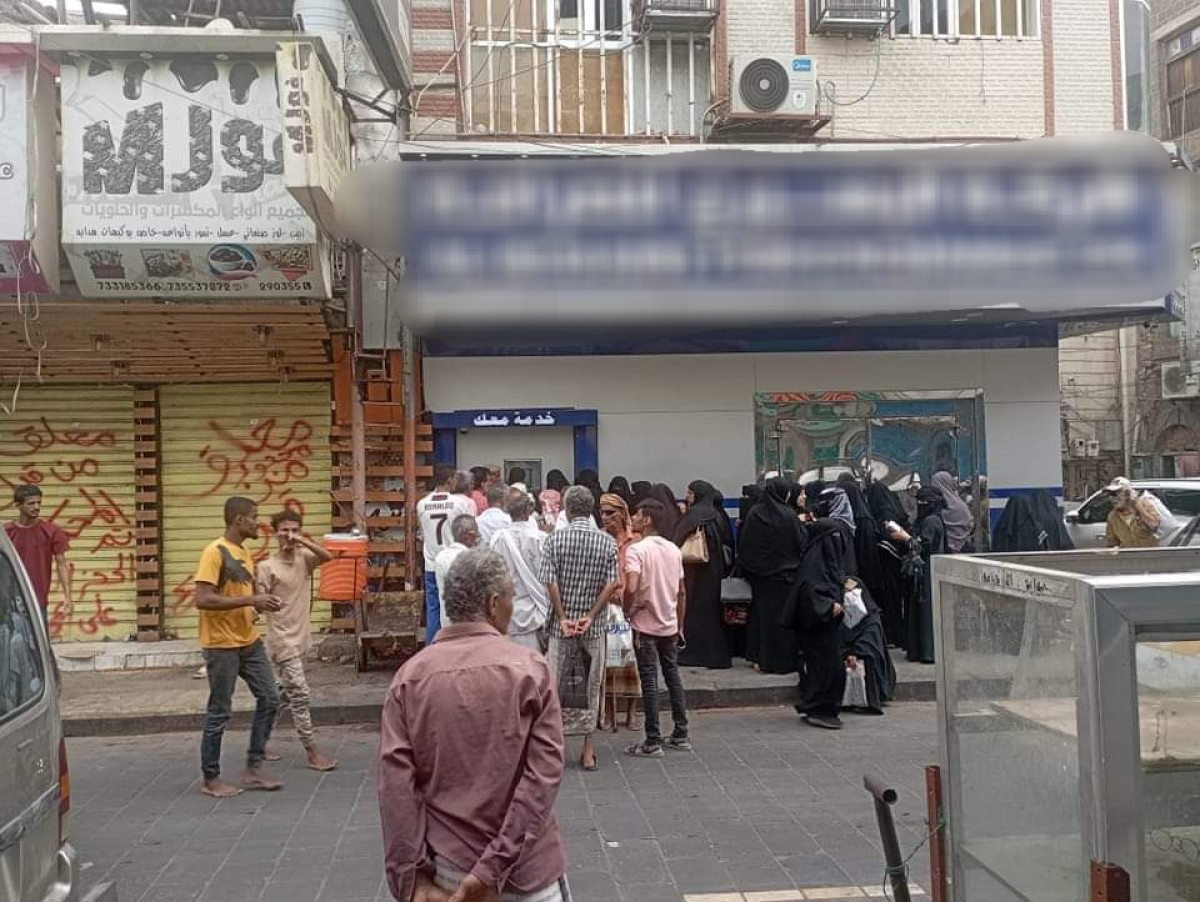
column 1078, row 447
column 773, row 85
column 1178, row 383
column 1093, row 447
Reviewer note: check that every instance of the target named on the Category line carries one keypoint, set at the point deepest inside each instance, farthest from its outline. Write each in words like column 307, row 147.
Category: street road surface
column 764, row 808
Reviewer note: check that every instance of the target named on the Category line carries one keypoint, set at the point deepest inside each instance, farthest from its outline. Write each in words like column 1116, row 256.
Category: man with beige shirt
column 287, row 575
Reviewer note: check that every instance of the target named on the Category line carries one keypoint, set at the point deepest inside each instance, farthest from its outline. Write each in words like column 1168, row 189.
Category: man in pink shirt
column 472, row 756
column 656, row 602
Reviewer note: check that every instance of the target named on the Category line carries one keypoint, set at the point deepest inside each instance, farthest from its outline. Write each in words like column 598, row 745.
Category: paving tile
column 763, row 812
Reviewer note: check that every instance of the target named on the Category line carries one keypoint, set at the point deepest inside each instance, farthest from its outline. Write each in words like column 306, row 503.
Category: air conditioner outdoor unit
column 773, row 85
column 1093, row 447
column 1078, row 447
column 1178, row 383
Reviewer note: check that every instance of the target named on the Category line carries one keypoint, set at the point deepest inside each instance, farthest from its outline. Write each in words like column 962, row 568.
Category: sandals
column 641, row 750
column 594, row 766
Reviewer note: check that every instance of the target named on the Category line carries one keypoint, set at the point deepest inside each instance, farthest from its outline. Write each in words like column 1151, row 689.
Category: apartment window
column 967, row 18
column 1183, row 92
column 598, row 16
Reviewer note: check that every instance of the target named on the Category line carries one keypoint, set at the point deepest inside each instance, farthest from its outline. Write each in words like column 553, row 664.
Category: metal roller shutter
column 77, row 443
column 269, row 442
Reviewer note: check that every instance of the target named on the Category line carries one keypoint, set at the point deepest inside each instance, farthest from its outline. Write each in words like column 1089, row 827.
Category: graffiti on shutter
column 76, row 444
column 269, row 443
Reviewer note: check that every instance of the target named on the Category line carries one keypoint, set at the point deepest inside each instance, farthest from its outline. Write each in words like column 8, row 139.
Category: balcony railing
column 678, row 16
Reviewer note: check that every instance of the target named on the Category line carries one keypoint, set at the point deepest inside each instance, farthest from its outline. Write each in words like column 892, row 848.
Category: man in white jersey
column 435, row 512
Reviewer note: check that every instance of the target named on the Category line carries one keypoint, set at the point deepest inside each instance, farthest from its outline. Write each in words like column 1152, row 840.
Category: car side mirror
column 1072, row 517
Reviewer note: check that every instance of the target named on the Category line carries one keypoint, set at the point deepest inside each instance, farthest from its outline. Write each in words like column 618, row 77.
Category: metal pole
column 885, row 798
column 937, row 843
column 358, row 426
column 411, row 491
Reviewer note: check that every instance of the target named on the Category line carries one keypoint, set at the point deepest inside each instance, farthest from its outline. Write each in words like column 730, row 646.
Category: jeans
column 225, row 665
column 651, row 651
column 433, row 609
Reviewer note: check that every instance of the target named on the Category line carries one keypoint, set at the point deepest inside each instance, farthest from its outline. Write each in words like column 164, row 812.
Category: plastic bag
column 573, row 675
column 856, row 686
column 620, row 639
column 854, row 609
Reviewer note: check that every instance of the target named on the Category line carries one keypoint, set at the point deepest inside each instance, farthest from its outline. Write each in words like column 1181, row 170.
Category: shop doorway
column 537, row 439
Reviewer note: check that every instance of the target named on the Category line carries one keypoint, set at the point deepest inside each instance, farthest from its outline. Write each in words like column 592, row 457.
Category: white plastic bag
column 854, row 608
column 620, row 639
column 856, row 686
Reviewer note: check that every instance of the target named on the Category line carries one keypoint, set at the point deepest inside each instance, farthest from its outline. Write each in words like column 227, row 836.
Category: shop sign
column 28, row 207
column 172, row 173
column 316, row 130
column 738, row 238
column 520, row 418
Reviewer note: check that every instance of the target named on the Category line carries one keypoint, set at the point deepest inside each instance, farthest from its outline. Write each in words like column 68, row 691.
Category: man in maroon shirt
column 39, row 544
column 472, row 756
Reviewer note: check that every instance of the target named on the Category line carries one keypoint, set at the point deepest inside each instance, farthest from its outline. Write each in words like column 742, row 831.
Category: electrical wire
column 829, row 87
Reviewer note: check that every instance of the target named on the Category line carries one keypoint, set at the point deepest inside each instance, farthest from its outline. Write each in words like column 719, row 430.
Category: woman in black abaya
column 866, row 535
column 866, row 643
column 890, row 593
column 770, row 545
column 930, row 532
column 704, row 624
column 816, row 612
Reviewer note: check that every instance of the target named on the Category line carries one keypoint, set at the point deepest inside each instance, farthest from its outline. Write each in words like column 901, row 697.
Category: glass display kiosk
column 1069, row 709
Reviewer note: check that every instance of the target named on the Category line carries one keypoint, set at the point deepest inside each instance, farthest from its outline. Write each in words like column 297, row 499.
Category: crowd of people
column 588, row 567
column 818, row 580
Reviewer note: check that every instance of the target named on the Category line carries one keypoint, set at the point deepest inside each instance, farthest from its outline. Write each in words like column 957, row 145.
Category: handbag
column 735, row 590
column 695, row 547
column 620, row 639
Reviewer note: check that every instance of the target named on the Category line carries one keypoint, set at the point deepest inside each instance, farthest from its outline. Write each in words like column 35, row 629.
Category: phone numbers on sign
column 221, row 287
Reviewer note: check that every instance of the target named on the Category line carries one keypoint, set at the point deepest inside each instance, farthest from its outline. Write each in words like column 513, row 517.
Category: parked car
column 1189, row 536
column 37, row 863
column 1086, row 524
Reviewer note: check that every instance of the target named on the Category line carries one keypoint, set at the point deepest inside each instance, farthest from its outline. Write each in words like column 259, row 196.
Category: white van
column 37, row 863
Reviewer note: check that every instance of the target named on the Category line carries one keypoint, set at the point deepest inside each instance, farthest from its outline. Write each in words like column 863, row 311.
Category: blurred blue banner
column 728, row 238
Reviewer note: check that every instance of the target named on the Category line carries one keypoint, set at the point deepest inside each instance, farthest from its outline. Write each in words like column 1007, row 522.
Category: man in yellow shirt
column 228, row 607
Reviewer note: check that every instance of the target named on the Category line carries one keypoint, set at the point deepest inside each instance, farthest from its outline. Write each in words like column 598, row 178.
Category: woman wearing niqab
column 956, row 515
column 704, row 624
column 619, row 486
column 641, row 491
column 866, row 535
column 665, row 495
column 930, row 532
column 815, row 610
column 770, row 545
column 590, row 480
column 890, row 593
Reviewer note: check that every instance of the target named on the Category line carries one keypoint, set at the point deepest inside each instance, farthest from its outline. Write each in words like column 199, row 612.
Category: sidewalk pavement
column 139, row 701
column 764, row 810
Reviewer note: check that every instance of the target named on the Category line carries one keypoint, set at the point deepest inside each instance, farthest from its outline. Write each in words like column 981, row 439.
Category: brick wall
column 926, row 89
column 931, row 88
column 1084, row 56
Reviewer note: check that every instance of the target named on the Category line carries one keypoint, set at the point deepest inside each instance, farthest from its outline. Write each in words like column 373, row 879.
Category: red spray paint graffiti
column 265, row 464
column 60, row 461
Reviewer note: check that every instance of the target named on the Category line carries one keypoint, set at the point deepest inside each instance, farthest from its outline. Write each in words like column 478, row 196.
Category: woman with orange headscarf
column 619, row 682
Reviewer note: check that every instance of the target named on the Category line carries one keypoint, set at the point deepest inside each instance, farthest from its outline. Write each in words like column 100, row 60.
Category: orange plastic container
column 345, row 577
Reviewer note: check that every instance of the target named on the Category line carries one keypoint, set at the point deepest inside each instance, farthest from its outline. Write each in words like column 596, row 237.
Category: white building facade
column 942, row 71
